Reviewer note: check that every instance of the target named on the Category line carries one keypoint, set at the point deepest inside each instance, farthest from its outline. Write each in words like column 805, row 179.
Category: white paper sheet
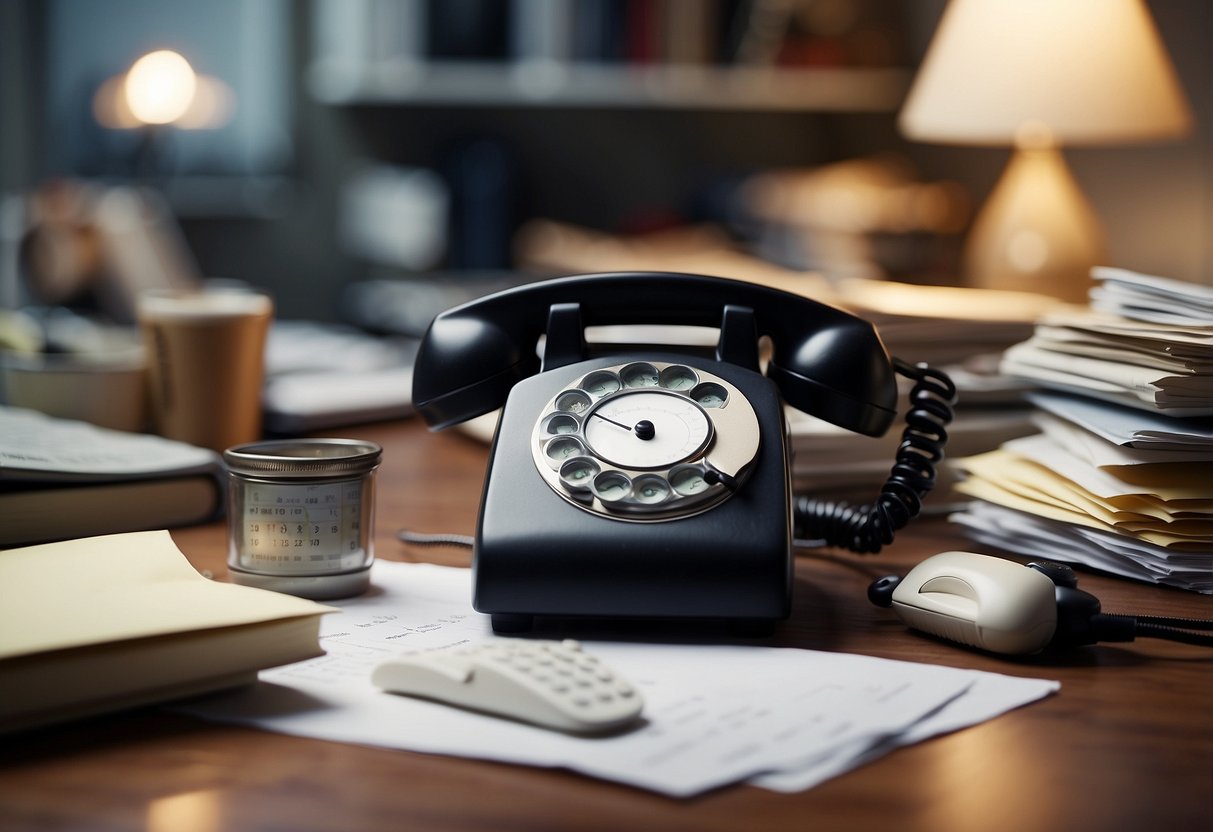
column 714, row 714
column 991, row 695
column 1151, row 298
column 1133, row 428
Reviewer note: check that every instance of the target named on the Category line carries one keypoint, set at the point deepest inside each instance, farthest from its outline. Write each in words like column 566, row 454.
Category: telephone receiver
column 649, row 481
column 825, row 362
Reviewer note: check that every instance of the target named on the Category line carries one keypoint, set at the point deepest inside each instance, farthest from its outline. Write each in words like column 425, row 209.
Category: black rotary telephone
column 654, row 482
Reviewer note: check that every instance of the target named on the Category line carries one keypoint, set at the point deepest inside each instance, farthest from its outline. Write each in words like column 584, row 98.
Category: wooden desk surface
column 1127, row 744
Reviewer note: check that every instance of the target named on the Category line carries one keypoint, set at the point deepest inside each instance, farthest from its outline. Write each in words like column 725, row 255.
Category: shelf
column 594, row 85
column 248, row 197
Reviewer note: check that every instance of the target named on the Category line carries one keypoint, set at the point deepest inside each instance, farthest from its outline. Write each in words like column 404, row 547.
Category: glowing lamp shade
column 160, row 87
column 1037, row 75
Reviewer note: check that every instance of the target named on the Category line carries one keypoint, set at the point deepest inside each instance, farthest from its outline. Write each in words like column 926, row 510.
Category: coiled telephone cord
column 865, row 529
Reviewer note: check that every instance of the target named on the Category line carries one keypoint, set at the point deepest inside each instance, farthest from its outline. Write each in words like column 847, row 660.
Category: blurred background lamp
column 1040, row 75
column 161, row 88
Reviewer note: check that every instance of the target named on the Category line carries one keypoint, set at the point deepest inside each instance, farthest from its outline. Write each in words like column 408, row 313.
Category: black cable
column 1148, row 630
column 1182, row 623
column 419, row 539
column 1107, row 627
column 865, row 529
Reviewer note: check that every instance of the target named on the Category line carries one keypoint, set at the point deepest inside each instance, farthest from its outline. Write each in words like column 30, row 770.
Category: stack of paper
column 1059, row 495
column 1147, row 298
column 1147, row 342
column 1119, row 477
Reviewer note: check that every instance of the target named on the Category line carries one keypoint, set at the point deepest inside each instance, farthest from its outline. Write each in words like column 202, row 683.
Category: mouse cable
column 1113, row 627
column 865, row 529
column 1081, row 619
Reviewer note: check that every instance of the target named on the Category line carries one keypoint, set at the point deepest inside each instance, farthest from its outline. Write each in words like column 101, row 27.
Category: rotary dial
column 646, row 429
column 646, row 441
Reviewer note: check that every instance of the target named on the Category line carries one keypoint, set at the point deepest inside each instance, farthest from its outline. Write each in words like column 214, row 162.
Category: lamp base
column 1036, row 232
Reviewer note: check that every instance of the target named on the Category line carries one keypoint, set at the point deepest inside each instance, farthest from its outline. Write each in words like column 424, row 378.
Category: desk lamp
column 1040, row 74
column 161, row 91
column 161, row 88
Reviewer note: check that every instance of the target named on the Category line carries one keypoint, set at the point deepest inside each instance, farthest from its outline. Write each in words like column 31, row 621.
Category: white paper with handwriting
column 714, row 715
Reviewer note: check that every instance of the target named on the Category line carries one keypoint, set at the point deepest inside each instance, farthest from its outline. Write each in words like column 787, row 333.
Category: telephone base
column 753, row 627
column 536, row 555
column 611, row 627
column 504, row 622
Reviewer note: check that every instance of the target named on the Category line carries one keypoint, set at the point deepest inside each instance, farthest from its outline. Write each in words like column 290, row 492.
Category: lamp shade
column 1086, row 71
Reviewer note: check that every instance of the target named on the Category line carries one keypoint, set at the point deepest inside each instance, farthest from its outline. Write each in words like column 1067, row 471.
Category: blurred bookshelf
column 587, row 85
column 668, row 54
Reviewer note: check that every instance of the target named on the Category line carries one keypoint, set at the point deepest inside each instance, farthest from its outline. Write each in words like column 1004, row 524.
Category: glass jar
column 301, row 515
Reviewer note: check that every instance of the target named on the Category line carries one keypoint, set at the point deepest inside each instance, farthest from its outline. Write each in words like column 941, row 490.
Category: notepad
column 104, row 623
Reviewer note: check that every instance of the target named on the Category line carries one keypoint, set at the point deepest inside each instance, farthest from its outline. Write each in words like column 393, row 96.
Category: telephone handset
column 826, row 362
column 654, row 482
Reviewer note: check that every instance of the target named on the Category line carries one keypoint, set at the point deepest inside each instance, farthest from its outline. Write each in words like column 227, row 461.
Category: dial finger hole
column 601, row 383
column 650, row 490
column 640, row 374
column 678, row 377
column 556, row 424
column 688, row 480
column 578, row 474
column 710, row 394
column 612, row 486
column 573, row 401
column 562, row 448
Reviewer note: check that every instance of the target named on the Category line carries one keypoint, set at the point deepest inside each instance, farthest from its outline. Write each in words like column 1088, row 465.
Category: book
column 100, row 624
column 62, row 479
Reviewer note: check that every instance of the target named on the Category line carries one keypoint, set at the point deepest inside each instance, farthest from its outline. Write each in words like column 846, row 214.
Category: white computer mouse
column 979, row 600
